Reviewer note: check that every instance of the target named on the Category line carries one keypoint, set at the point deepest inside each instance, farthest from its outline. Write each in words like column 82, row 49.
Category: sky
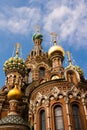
column 68, row 18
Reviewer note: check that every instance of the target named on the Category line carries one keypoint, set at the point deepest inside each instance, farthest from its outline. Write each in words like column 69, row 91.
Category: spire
column 54, row 38
column 69, row 57
column 37, row 28
column 17, row 49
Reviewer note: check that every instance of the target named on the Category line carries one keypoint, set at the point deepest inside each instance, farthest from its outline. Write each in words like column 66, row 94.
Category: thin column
column 67, row 112
column 48, row 115
column 84, row 105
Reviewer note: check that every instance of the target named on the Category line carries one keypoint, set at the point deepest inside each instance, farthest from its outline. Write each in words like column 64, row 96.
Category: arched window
column 41, row 72
column 42, row 120
column 29, row 76
column 58, row 118
column 76, row 117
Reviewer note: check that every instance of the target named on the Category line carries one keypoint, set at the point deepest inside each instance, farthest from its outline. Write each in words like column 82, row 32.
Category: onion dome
column 14, row 93
column 37, row 36
column 15, row 64
column 56, row 48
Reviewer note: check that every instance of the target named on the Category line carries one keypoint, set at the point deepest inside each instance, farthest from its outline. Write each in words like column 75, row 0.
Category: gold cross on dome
column 17, row 48
column 37, row 28
column 69, row 57
column 54, row 37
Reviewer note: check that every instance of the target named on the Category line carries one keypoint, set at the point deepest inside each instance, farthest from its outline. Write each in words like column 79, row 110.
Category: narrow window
column 76, row 117
column 41, row 72
column 42, row 120
column 29, row 76
column 58, row 118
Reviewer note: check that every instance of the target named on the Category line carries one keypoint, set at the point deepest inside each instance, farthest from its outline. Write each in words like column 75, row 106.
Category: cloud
column 19, row 20
column 67, row 18
column 69, row 21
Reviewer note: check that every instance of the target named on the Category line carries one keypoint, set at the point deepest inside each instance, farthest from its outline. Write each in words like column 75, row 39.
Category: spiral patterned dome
column 37, row 36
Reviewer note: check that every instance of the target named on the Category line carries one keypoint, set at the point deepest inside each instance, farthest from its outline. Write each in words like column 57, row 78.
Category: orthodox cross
column 69, row 57
column 17, row 49
column 54, row 37
column 37, row 28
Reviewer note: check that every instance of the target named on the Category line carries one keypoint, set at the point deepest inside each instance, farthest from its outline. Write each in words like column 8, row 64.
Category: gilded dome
column 15, row 93
column 15, row 64
column 56, row 48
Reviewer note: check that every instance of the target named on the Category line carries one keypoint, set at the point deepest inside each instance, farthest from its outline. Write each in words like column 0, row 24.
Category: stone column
column 67, row 112
column 35, row 120
column 48, row 114
column 84, row 105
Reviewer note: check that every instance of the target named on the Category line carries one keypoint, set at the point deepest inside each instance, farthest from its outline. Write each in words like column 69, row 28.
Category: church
column 40, row 93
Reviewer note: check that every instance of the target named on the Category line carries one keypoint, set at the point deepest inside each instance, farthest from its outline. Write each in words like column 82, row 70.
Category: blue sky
column 68, row 18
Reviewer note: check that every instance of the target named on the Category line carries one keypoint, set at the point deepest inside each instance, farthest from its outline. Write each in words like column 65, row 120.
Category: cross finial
column 69, row 57
column 17, row 48
column 37, row 28
column 54, row 37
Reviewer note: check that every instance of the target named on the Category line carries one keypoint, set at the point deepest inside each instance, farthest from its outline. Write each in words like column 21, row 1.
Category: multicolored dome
column 15, row 64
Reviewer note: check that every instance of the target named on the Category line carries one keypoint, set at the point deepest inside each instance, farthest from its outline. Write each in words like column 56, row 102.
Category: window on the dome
column 42, row 120
column 58, row 118
column 76, row 117
column 41, row 72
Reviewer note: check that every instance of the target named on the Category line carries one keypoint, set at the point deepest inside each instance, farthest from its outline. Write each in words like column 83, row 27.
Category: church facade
column 50, row 96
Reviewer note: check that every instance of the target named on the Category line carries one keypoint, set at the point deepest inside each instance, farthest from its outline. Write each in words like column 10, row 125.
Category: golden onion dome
column 15, row 93
column 56, row 48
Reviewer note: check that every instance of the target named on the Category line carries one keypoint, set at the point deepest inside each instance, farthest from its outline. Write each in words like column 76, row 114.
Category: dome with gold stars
column 15, row 64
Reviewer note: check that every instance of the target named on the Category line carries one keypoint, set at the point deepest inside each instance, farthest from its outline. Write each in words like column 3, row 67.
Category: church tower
column 57, row 95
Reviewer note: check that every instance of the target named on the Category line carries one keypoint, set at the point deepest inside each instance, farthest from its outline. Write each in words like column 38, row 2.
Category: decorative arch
column 57, row 111
column 72, row 75
column 42, row 119
column 42, row 64
column 76, row 116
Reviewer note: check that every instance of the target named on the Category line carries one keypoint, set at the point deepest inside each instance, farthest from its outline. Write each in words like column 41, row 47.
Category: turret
column 56, row 55
column 15, row 69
